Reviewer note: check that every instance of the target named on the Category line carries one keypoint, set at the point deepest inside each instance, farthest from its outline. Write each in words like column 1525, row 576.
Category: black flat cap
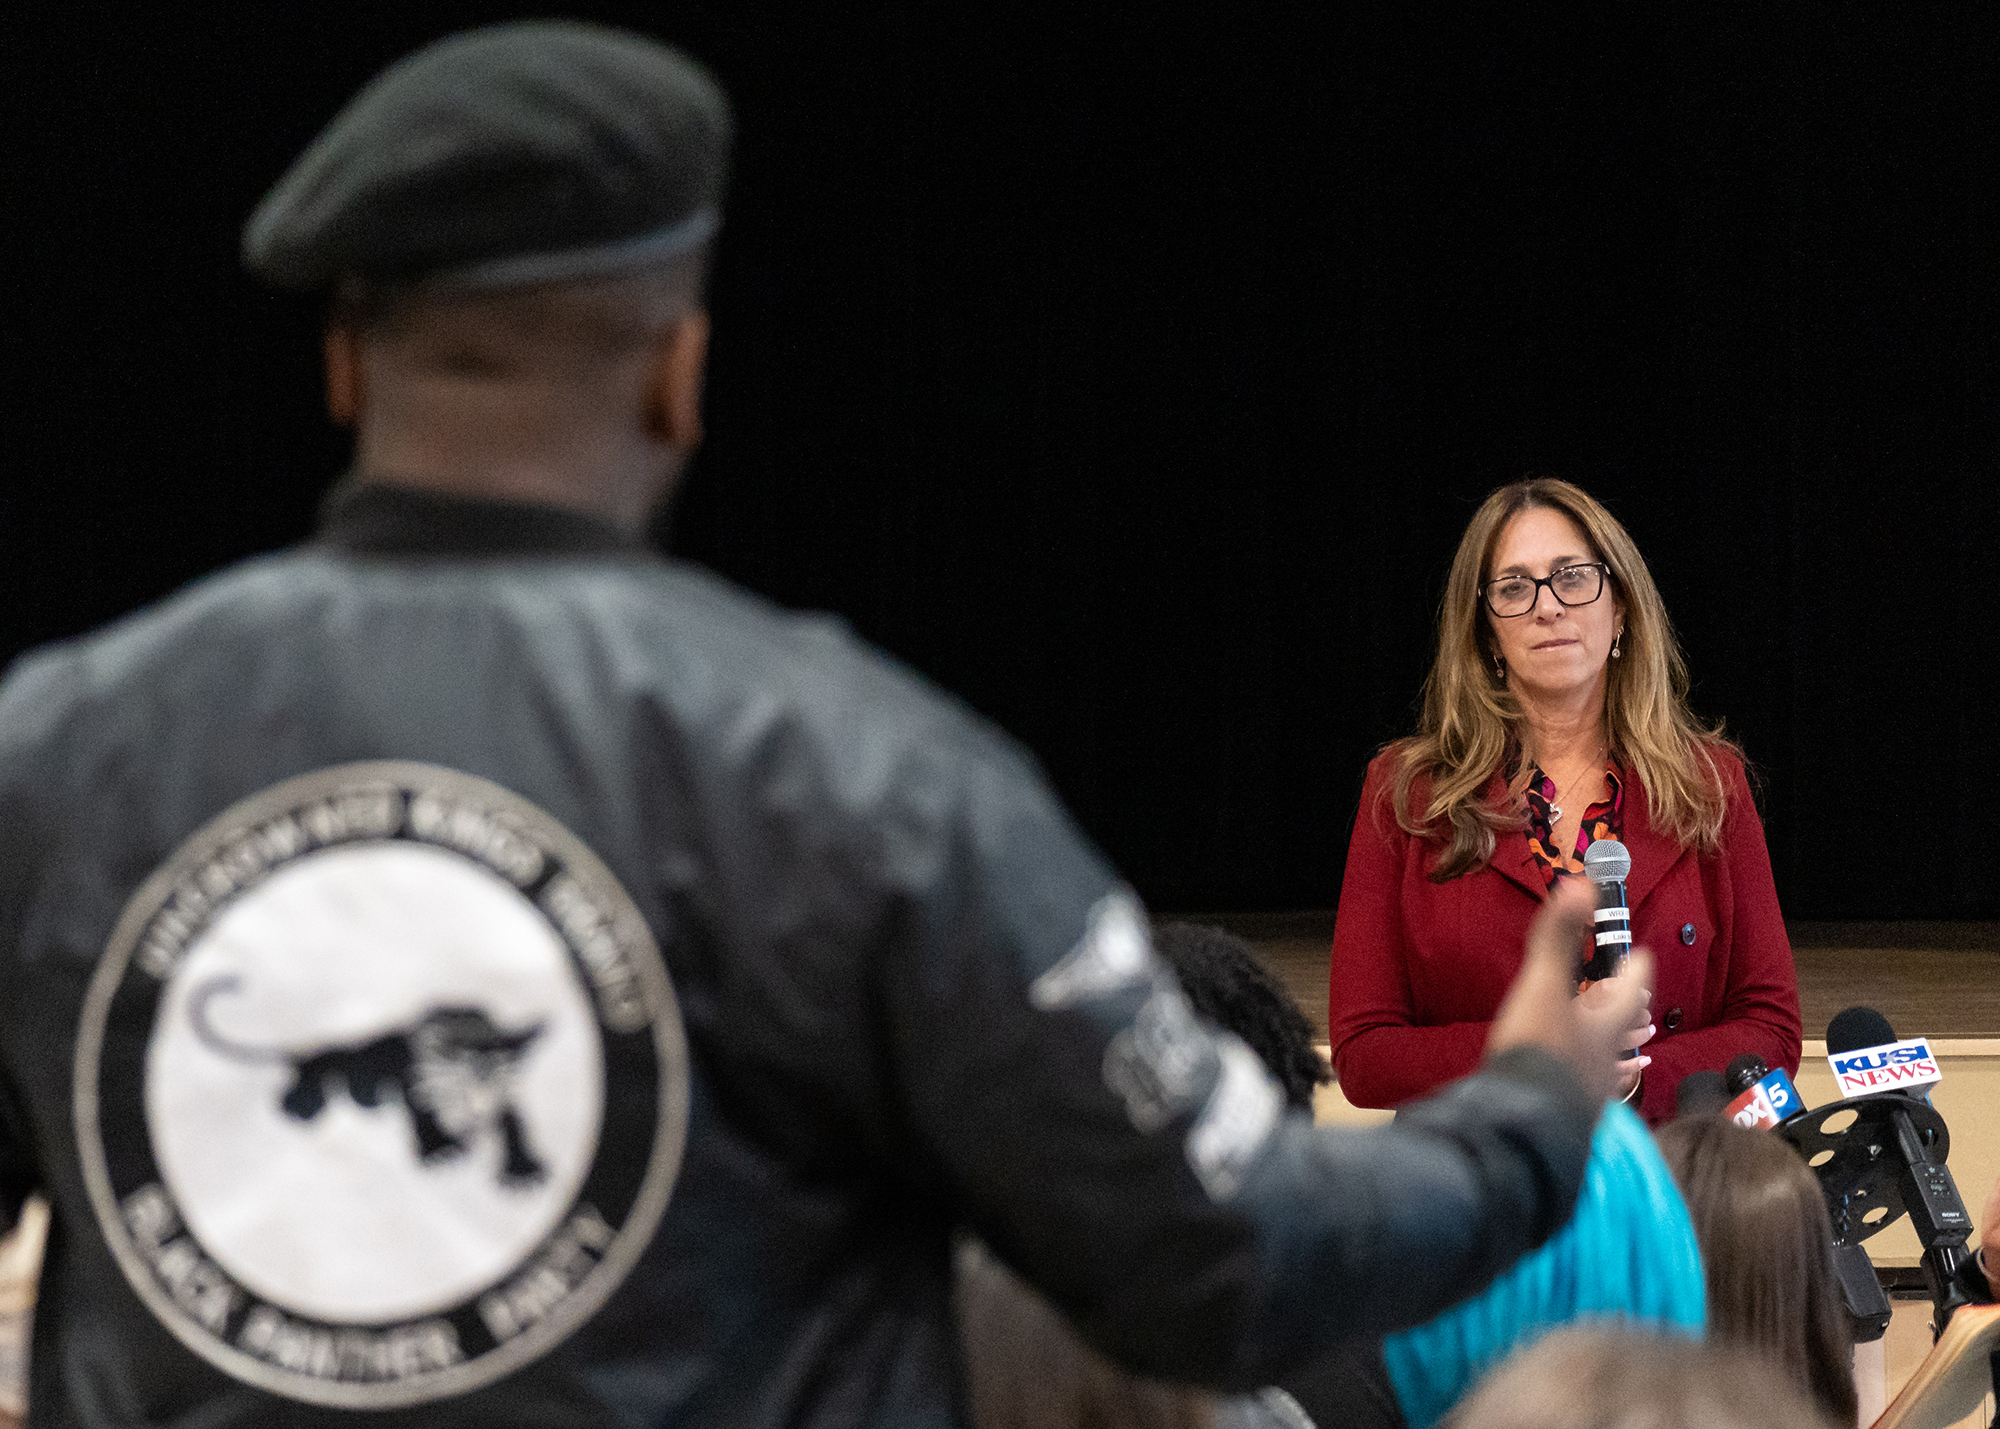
column 520, row 153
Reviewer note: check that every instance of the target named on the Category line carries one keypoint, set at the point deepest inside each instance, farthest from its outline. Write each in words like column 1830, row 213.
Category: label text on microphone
column 1766, row 1103
column 1889, row 1067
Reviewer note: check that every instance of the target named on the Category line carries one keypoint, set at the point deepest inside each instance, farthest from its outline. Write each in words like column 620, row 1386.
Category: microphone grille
column 1606, row 861
column 1745, row 1071
column 1858, row 1027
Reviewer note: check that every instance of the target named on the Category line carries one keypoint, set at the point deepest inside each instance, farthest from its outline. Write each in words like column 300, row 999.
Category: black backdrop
column 1134, row 380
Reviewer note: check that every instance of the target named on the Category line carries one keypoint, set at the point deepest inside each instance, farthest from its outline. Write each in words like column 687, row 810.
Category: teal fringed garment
column 1628, row 1253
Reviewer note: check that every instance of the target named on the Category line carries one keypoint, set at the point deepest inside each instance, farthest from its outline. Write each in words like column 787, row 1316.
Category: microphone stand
column 1888, row 1159
column 1937, row 1214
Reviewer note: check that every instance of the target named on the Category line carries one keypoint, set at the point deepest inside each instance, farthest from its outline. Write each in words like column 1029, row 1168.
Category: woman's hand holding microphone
column 1589, row 1031
column 1601, row 995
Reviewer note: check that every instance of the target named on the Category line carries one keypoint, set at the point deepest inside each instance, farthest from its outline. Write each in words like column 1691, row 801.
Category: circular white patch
column 339, row 1217
column 380, row 1087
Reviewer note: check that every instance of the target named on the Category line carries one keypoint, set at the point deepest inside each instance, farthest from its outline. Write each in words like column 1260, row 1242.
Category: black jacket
column 471, row 971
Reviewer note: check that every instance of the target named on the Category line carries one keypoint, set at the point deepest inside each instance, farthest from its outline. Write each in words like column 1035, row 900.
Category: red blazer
column 1419, row 968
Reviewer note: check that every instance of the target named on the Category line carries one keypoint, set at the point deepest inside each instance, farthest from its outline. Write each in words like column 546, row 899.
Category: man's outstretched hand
column 1542, row 1009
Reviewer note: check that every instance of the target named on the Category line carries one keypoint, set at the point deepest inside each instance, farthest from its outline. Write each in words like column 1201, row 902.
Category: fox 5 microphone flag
column 1766, row 1102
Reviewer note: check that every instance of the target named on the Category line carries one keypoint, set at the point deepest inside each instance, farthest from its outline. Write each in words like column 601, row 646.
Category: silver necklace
column 1555, row 806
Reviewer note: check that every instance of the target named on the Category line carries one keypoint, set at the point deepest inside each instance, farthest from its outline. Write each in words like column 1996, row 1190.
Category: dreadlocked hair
column 1231, row 988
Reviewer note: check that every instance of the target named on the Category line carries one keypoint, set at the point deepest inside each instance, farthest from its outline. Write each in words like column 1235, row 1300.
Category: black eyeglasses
column 1510, row 596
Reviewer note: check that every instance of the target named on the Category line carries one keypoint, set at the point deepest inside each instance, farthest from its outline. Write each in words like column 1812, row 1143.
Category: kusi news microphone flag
column 1892, row 1066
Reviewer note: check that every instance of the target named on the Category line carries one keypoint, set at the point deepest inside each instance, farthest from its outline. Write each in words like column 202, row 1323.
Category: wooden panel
column 1301, row 967
column 20, row 1264
column 1928, row 979
column 21, row 1258
column 1330, row 1108
column 1908, row 1345
column 1934, row 979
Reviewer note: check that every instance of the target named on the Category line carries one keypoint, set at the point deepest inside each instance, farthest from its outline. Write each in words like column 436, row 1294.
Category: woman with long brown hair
column 1767, row 1246
column 1555, row 714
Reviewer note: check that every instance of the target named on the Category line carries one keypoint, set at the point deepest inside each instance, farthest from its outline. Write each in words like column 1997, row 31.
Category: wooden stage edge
column 1933, row 978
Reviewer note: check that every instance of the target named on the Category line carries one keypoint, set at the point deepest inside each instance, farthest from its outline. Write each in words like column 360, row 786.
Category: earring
column 1499, row 669
column 1615, row 642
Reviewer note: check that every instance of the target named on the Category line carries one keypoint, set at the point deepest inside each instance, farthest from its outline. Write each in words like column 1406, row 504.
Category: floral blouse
column 1602, row 820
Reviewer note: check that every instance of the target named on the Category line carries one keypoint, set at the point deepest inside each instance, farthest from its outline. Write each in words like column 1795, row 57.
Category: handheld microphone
column 1701, row 1094
column 1607, row 864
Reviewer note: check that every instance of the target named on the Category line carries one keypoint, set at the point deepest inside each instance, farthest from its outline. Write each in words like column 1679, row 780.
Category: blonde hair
column 1471, row 726
column 1609, row 1377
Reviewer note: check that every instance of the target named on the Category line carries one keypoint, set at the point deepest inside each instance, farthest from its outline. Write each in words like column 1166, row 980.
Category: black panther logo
column 452, row 1069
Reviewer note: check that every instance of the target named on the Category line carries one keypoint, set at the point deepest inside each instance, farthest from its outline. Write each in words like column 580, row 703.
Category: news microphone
column 1867, row 1058
column 1890, row 1158
column 1858, row 1027
column 1607, row 864
column 1701, row 1094
column 1764, row 1098
column 1768, row 1100
column 1743, row 1071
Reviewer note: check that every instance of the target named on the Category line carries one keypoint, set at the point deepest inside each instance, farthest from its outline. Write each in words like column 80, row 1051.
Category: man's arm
column 1140, row 1169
